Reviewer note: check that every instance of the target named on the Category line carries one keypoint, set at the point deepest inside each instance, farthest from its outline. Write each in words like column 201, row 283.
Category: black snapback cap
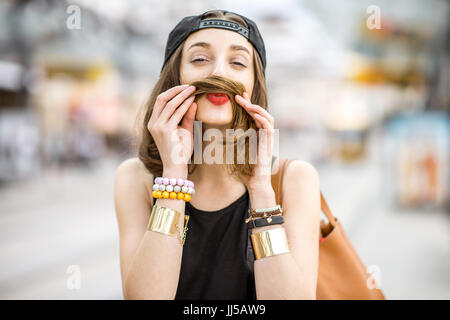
column 191, row 24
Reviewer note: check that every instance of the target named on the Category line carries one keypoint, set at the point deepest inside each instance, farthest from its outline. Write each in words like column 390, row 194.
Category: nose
column 220, row 69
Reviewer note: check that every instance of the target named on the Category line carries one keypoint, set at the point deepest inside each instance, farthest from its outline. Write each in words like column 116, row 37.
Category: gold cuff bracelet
column 164, row 220
column 269, row 242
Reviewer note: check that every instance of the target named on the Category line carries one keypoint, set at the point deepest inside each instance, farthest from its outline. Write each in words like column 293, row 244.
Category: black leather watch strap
column 262, row 222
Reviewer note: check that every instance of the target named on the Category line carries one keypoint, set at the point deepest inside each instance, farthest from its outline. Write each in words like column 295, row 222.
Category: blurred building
column 367, row 105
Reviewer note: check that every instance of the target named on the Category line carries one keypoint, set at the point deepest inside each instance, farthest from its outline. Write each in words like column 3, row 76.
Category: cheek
column 186, row 74
column 249, row 88
column 189, row 74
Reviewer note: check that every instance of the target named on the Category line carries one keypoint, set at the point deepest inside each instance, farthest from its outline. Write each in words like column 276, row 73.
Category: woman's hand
column 174, row 142
column 261, row 178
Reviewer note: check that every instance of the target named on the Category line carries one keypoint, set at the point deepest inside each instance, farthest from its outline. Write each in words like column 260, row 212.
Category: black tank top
column 217, row 261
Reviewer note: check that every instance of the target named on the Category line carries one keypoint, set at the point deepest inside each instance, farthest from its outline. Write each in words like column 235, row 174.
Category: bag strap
column 277, row 180
column 326, row 210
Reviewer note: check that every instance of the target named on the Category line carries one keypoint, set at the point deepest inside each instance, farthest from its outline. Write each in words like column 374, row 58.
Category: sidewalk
column 65, row 219
column 56, row 221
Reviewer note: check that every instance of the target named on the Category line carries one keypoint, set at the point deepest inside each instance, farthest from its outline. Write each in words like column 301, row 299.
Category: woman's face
column 217, row 52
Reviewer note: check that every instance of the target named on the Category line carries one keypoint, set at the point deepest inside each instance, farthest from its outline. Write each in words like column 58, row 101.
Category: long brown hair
column 170, row 77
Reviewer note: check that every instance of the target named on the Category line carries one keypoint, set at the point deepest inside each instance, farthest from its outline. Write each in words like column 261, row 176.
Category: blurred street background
column 360, row 89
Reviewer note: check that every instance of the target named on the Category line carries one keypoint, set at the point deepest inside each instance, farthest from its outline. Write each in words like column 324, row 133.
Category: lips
column 217, row 98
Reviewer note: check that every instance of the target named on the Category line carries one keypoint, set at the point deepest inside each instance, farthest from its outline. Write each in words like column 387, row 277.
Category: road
column 60, row 227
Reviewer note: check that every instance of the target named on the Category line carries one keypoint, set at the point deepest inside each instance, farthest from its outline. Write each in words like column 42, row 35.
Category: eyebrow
column 206, row 45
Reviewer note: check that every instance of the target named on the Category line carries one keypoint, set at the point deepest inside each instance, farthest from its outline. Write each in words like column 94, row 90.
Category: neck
column 214, row 175
column 216, row 182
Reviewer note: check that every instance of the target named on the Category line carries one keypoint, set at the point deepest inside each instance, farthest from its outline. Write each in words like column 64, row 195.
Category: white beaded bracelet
column 170, row 188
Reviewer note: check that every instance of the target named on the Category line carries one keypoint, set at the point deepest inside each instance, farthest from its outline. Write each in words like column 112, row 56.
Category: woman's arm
column 292, row 275
column 150, row 261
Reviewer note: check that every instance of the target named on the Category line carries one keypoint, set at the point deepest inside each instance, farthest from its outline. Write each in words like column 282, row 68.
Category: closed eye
column 201, row 60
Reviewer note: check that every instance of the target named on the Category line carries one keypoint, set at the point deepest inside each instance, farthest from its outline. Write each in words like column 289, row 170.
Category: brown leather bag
column 342, row 275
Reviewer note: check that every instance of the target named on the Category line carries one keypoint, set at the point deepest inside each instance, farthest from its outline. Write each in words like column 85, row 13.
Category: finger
column 173, row 104
column 255, row 108
column 180, row 111
column 265, row 123
column 165, row 97
column 257, row 121
column 251, row 113
column 188, row 119
column 266, row 138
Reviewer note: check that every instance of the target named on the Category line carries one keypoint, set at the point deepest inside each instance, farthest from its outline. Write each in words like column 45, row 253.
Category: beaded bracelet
column 174, row 182
column 172, row 195
column 181, row 189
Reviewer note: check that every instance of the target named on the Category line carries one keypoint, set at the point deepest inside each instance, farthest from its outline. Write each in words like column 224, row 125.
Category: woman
column 212, row 263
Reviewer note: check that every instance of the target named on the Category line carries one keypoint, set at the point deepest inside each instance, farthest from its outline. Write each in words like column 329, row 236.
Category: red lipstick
column 217, row 98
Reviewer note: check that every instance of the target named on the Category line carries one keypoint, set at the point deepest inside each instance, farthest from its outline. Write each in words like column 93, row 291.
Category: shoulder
column 300, row 170
column 301, row 185
column 131, row 166
column 131, row 176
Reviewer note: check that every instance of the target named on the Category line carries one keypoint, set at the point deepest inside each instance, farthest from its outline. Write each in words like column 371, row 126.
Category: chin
column 213, row 115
